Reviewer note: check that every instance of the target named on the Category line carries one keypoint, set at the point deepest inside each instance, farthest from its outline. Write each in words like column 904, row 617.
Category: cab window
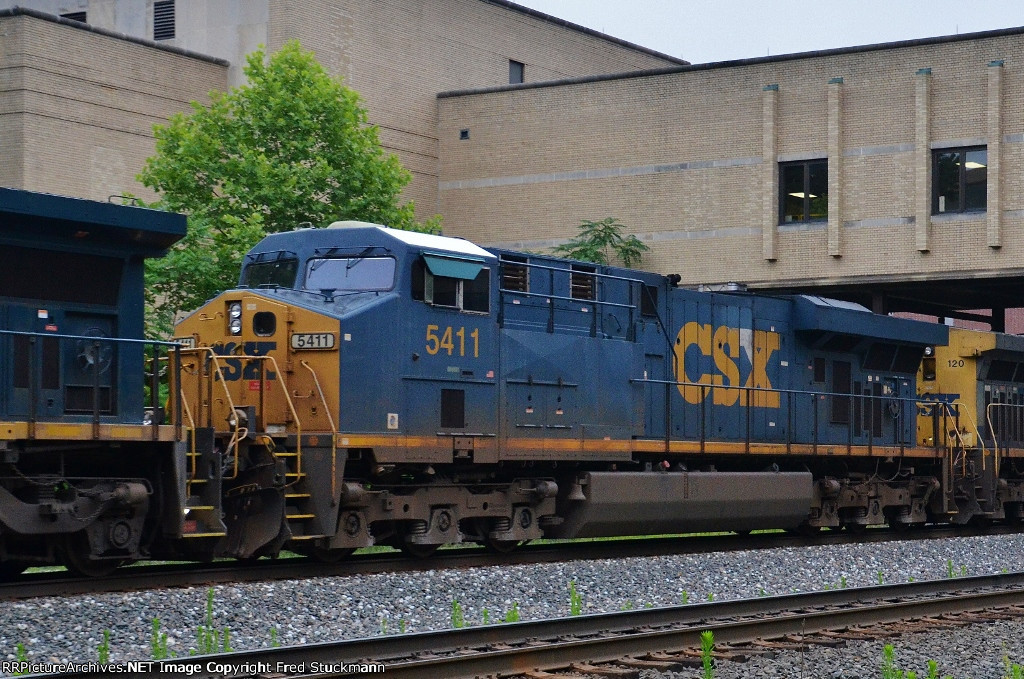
column 350, row 274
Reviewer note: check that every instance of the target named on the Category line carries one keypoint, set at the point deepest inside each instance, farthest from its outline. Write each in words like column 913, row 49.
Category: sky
column 703, row 31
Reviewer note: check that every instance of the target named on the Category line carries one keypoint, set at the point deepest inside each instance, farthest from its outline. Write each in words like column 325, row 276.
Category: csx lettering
column 725, row 345
column 240, row 369
column 438, row 341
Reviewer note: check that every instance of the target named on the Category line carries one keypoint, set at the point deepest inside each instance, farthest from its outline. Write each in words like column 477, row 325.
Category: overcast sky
column 702, row 31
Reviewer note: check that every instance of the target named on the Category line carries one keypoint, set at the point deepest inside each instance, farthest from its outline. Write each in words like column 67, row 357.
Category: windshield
column 280, row 273
column 355, row 274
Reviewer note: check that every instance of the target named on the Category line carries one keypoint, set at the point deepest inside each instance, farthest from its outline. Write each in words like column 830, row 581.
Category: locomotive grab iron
column 365, row 386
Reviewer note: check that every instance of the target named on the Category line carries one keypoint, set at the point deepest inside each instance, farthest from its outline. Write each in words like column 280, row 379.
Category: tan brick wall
column 679, row 158
column 77, row 108
column 399, row 54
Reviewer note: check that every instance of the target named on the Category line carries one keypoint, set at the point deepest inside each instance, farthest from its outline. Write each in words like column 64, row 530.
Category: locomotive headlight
column 928, row 351
column 235, row 326
column 235, row 310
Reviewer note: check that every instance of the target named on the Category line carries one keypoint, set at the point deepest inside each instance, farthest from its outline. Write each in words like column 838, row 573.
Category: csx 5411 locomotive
column 364, row 386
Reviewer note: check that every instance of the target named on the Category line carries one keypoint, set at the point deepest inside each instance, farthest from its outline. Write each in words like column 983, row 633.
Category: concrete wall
column 689, row 162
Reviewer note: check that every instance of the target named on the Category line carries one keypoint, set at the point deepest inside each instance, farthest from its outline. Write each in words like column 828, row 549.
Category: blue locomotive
column 83, row 474
column 416, row 390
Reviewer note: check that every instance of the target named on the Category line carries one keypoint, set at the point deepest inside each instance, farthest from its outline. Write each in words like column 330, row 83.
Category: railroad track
column 159, row 576
column 661, row 638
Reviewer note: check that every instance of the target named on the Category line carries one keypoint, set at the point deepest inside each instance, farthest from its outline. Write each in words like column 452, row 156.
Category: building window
column 74, row 16
column 516, row 72
column 163, row 20
column 959, row 180
column 803, row 194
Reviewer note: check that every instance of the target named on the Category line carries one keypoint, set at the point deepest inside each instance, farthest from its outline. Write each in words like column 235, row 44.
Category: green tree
column 291, row 146
column 602, row 242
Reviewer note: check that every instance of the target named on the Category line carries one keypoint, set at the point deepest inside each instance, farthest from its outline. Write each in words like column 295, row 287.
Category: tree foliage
column 291, row 146
column 602, row 242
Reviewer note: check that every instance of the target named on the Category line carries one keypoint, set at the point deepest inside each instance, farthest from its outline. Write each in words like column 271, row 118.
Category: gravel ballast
column 327, row 609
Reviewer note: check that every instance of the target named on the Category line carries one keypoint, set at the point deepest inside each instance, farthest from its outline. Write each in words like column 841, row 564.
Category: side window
column 959, row 180
column 465, row 294
column 803, row 191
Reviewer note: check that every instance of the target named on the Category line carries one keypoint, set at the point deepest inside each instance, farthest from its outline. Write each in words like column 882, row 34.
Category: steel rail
column 509, row 649
column 161, row 576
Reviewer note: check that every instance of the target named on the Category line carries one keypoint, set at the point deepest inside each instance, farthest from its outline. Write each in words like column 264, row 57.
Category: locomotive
column 364, row 385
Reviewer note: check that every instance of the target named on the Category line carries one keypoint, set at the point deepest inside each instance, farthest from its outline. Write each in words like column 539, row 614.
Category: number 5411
column 438, row 340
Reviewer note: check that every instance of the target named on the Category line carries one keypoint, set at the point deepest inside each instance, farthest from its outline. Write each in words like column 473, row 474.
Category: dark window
column 516, row 72
column 444, row 291
column 928, row 369
column 74, row 16
column 515, row 275
column 803, row 191
column 959, row 180
column 466, row 294
column 350, row 274
column 649, row 300
column 279, row 273
column 453, row 408
column 1001, row 371
column 582, row 282
column 907, row 359
column 841, row 384
column 880, row 356
column 819, row 369
column 163, row 20
column 476, row 294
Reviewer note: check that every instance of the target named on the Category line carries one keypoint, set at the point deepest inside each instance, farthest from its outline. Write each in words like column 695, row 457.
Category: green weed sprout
column 575, row 600
column 458, row 619
column 103, row 651
column 707, row 647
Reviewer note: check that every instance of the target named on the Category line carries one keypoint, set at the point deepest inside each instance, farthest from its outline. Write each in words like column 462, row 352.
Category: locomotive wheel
column 74, row 553
column 418, row 551
column 500, row 546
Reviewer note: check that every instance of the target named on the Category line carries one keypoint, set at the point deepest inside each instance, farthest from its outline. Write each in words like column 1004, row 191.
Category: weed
column 487, row 617
column 157, row 642
column 842, row 581
column 513, row 614
column 103, row 651
column 274, row 643
column 20, row 655
column 881, row 578
column 383, row 627
column 575, row 600
column 761, row 591
column 458, row 619
column 208, row 638
column 401, row 626
column 711, row 596
column 685, row 597
column 707, row 647
column 628, row 606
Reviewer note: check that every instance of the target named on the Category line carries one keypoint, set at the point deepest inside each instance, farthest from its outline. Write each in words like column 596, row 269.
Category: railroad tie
column 606, row 670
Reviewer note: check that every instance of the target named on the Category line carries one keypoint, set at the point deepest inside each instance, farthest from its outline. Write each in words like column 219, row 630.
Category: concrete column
column 994, row 208
column 835, row 167
column 922, row 160
column 770, row 173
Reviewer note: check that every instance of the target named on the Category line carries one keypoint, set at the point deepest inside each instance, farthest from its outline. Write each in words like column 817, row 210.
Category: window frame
column 516, row 72
column 423, row 283
column 806, row 190
column 962, row 183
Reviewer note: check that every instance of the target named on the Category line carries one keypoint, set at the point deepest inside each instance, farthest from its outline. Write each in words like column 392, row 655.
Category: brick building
column 398, row 54
column 894, row 171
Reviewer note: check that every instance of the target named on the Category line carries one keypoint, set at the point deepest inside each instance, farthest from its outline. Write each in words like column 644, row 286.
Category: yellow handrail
column 334, row 429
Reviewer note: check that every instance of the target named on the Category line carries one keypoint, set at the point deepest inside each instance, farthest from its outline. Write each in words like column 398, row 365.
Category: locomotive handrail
column 900, row 437
column 234, row 442
column 334, row 429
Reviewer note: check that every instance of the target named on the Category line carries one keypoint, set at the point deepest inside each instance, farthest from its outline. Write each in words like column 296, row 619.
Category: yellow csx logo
column 727, row 347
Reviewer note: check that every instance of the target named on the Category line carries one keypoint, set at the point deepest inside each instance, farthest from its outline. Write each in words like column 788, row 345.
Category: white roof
column 425, row 240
